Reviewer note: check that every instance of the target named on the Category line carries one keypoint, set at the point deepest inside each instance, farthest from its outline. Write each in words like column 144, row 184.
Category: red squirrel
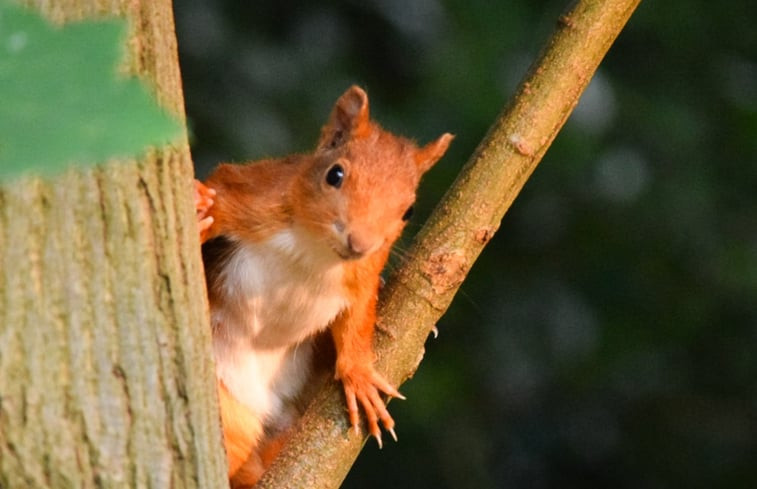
column 294, row 246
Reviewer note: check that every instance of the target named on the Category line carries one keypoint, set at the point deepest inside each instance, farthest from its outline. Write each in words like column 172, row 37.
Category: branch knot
column 445, row 270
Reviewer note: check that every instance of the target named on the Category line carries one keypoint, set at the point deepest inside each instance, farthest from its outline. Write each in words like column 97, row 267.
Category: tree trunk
column 106, row 375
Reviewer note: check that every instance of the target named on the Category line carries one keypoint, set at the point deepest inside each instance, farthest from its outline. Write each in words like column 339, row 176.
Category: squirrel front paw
column 203, row 202
column 362, row 384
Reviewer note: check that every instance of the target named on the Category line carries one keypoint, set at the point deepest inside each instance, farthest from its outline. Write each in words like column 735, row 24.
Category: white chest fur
column 275, row 295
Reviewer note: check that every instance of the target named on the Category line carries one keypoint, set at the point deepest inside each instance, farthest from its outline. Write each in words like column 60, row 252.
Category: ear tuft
column 352, row 106
column 350, row 118
column 426, row 156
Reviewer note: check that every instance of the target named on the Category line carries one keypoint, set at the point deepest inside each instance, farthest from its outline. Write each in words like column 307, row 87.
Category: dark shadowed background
column 607, row 337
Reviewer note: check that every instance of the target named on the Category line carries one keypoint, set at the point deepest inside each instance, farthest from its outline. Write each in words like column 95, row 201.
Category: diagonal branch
column 323, row 449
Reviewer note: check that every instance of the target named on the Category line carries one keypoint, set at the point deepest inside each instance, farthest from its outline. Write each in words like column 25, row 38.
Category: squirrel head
column 362, row 181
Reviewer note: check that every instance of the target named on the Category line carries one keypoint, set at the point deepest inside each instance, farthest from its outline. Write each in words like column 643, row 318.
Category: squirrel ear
column 426, row 156
column 350, row 118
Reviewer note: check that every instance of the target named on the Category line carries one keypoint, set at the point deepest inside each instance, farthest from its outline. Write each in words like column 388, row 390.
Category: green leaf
column 62, row 99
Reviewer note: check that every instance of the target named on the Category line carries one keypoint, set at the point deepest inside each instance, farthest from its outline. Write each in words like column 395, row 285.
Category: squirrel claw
column 203, row 197
column 363, row 388
column 203, row 202
column 377, row 436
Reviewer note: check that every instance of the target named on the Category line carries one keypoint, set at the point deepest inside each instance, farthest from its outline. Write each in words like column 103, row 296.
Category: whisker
column 402, row 256
column 414, row 227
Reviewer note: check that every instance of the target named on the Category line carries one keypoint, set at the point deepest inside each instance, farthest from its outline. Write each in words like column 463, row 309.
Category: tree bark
column 323, row 449
column 106, row 375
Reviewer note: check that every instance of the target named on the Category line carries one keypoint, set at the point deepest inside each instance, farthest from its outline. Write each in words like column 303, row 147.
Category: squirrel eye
column 408, row 213
column 335, row 175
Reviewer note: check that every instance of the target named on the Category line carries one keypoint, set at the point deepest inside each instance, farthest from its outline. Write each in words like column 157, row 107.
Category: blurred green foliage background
column 607, row 337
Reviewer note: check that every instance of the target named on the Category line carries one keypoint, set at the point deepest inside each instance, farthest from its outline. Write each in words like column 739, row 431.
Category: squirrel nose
column 356, row 246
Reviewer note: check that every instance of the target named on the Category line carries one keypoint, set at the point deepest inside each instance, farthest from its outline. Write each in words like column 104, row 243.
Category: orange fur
column 241, row 431
column 348, row 230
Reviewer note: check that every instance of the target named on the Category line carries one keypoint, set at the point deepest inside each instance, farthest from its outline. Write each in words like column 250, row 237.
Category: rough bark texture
column 106, row 376
column 323, row 448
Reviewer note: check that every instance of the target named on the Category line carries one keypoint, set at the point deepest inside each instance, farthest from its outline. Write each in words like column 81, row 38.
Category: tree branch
column 322, row 450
